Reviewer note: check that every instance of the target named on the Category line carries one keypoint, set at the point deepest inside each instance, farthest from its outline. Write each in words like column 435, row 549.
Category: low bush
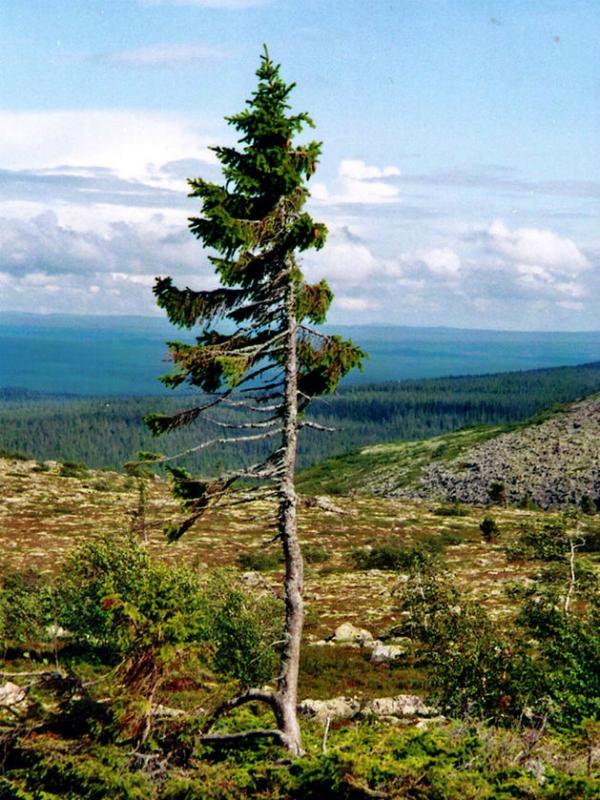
column 451, row 510
column 260, row 560
column 23, row 608
column 315, row 554
column 489, row 529
column 114, row 600
column 395, row 554
column 73, row 469
column 546, row 540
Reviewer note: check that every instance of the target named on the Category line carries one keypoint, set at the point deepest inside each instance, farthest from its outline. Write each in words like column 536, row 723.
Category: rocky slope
column 555, row 464
column 552, row 462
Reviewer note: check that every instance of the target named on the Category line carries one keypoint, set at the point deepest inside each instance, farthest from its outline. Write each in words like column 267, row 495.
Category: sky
column 459, row 178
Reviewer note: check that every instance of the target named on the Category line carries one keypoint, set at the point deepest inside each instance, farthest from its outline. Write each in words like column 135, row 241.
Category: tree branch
column 317, row 426
column 250, row 696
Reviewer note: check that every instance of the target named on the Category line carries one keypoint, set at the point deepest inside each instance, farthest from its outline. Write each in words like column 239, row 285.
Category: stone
column 11, row 695
column 425, row 724
column 346, row 633
column 402, row 705
column 57, row 632
column 335, row 708
column 387, row 652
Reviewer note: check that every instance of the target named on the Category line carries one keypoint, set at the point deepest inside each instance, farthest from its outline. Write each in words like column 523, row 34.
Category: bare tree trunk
column 287, row 685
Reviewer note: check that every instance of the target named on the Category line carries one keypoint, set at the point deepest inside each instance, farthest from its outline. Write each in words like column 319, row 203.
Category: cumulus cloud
column 440, row 261
column 132, row 145
column 40, row 257
column 536, row 247
column 360, row 183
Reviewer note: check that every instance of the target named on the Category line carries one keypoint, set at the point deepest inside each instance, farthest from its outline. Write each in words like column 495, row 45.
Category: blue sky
column 460, row 175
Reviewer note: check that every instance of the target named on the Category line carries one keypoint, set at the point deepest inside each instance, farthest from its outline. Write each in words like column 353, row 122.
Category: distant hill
column 552, row 461
column 125, row 355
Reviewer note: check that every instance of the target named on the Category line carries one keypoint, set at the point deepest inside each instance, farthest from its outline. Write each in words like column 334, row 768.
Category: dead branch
column 324, row 504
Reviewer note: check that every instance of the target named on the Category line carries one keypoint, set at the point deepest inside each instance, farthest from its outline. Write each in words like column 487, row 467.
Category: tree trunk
column 287, row 685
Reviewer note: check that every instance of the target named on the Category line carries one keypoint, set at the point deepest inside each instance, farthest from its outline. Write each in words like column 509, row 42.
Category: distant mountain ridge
column 105, row 355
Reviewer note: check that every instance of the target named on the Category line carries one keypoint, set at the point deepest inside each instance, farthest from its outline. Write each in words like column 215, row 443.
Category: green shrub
column 315, row 554
column 73, row 469
column 489, row 529
column 497, row 493
column 261, row 560
column 242, row 630
column 545, row 540
column 588, row 505
column 394, row 554
column 113, row 597
column 451, row 510
column 473, row 669
column 23, row 612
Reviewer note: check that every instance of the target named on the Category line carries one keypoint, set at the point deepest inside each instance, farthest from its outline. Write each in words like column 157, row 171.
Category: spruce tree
column 256, row 352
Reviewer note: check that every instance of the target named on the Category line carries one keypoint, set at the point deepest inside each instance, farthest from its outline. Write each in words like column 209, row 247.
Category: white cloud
column 348, row 303
column 441, row 261
column 358, row 182
column 130, row 144
column 536, row 246
column 355, row 169
column 344, row 263
column 166, row 55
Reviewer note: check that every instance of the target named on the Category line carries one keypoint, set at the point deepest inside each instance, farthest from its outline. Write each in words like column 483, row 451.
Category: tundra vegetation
column 450, row 650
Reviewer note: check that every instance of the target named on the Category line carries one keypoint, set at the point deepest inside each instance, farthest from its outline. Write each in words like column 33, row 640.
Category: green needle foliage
column 256, row 352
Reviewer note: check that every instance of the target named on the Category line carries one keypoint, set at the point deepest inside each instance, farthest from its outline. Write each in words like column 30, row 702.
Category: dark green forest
column 108, row 431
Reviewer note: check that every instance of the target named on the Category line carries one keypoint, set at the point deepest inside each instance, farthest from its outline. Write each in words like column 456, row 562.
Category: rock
column 425, row 724
column 387, row 652
column 346, row 633
column 403, row 705
column 335, row 708
column 57, row 632
column 11, row 695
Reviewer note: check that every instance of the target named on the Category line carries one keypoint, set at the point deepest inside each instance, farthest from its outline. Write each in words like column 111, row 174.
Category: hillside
column 362, row 669
column 553, row 461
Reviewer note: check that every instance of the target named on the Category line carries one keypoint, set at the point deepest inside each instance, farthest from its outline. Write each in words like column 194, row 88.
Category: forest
column 108, row 432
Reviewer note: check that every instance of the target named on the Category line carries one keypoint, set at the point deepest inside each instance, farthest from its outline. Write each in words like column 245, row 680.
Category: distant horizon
column 125, row 354
column 392, row 325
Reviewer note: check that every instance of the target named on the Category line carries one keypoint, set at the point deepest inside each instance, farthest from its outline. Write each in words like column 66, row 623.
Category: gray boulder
column 335, row 708
column 11, row 695
column 346, row 633
column 402, row 705
column 388, row 652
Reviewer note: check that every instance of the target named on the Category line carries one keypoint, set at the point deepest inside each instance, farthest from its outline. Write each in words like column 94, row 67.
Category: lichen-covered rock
column 11, row 695
column 388, row 652
column 335, row 708
column 346, row 633
column 402, row 705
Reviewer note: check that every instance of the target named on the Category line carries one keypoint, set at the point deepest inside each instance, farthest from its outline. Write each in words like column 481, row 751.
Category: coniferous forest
column 107, row 432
